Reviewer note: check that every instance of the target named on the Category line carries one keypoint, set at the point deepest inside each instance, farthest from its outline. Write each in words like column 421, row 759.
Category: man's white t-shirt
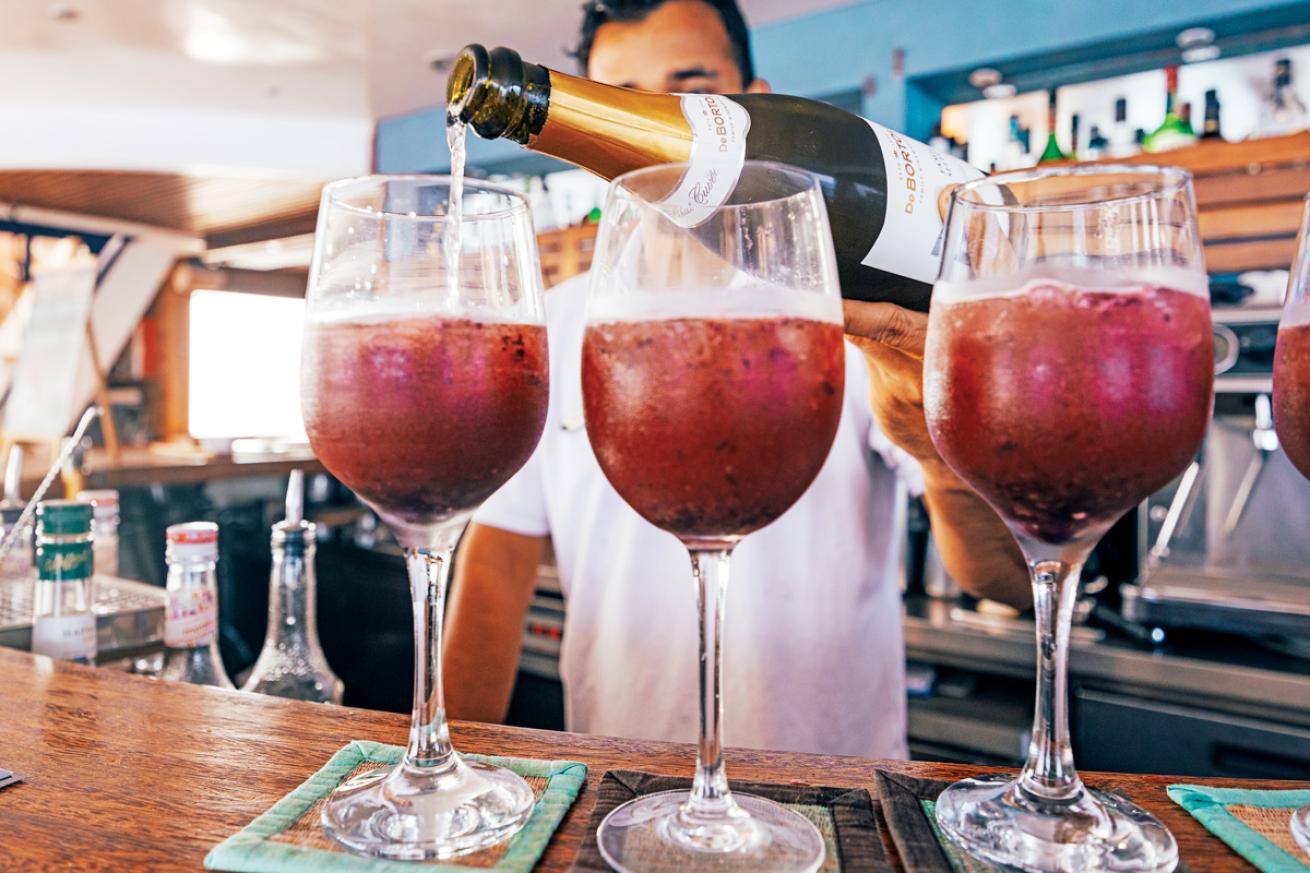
column 813, row 653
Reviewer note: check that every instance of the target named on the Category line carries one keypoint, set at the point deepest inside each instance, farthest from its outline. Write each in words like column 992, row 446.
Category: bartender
column 814, row 655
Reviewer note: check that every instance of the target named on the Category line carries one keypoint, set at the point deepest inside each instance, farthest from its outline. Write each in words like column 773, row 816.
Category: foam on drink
column 748, row 300
column 1102, row 280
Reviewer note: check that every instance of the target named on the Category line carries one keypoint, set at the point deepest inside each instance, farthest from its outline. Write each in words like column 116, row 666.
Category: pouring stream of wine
column 456, row 134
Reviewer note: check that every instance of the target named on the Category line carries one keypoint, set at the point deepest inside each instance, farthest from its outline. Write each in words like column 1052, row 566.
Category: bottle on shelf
column 1123, row 141
column 1283, row 112
column 1210, row 126
column 881, row 188
column 1185, row 116
column 1096, row 144
column 1173, row 132
column 191, row 623
column 1015, row 153
column 291, row 663
column 1052, row 152
column 63, row 623
column 104, row 527
column 1075, row 135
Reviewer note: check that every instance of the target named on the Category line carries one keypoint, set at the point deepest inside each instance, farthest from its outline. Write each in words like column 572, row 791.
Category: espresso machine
column 1227, row 546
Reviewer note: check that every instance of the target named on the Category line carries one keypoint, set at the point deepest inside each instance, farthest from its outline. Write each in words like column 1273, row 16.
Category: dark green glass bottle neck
column 497, row 94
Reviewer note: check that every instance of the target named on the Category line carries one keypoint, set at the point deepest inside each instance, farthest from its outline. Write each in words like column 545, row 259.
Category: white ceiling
column 287, row 89
column 276, row 57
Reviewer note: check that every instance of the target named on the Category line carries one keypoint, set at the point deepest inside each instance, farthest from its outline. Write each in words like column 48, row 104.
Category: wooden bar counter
column 127, row 773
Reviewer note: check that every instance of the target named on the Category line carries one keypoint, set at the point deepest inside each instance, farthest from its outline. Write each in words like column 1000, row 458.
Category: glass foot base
column 1301, row 828
column 411, row 814
column 652, row 833
column 992, row 819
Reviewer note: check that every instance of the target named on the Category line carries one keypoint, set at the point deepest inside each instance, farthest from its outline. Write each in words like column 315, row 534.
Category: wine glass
column 1068, row 374
column 424, row 388
column 1292, row 401
column 712, row 378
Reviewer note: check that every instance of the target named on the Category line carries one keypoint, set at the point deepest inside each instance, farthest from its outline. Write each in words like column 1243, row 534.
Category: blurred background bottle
column 1282, row 112
column 104, row 528
column 1173, row 131
column 1122, row 139
column 1210, row 126
column 1052, row 152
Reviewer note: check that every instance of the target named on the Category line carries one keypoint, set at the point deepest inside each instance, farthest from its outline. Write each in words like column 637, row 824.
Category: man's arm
column 495, row 575
column 976, row 547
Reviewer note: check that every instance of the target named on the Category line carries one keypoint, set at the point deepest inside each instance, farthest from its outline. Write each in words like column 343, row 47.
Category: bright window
column 245, row 366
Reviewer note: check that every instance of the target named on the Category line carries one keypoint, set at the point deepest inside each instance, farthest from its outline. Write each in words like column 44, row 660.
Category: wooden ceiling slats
column 206, row 206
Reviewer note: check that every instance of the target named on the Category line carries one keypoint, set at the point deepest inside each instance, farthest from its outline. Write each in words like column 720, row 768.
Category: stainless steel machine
column 1227, row 547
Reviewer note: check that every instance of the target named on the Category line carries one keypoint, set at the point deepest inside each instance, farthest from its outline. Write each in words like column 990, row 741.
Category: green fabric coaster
column 288, row 839
column 1253, row 823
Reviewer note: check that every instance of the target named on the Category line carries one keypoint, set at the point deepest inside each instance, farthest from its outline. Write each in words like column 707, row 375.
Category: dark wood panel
column 1236, row 256
column 126, row 773
column 199, row 205
column 281, row 227
column 1240, row 186
column 1281, row 218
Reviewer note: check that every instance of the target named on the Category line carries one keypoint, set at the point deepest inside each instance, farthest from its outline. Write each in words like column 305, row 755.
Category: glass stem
column 1049, row 772
column 710, row 797
column 429, row 735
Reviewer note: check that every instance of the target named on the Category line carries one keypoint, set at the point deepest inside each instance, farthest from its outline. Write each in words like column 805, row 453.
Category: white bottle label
column 718, row 150
column 910, row 243
column 70, row 637
column 192, row 619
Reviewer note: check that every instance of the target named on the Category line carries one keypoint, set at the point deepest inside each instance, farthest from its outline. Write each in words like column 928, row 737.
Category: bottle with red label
column 191, row 622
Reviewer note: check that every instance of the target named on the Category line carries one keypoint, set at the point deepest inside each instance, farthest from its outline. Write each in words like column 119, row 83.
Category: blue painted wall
column 838, row 49
column 841, row 48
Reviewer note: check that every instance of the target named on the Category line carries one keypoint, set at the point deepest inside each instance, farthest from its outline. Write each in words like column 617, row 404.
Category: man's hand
column 975, row 546
column 891, row 339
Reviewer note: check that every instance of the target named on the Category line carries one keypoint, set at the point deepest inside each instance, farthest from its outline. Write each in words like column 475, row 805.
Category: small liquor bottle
column 191, row 623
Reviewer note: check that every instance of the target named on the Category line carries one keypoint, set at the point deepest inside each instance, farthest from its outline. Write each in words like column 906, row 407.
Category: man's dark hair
column 598, row 12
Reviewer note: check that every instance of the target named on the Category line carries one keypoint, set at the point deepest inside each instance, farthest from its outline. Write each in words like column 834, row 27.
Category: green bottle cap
column 63, row 517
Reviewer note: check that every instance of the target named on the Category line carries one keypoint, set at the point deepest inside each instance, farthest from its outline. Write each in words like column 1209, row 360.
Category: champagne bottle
column 881, row 188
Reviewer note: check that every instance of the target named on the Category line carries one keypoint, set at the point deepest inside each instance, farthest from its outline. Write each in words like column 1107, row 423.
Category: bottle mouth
column 497, row 94
column 472, row 67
